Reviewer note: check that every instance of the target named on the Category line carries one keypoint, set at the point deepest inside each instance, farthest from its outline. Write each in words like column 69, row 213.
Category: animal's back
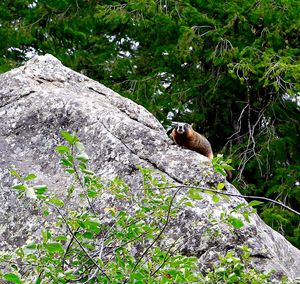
column 201, row 145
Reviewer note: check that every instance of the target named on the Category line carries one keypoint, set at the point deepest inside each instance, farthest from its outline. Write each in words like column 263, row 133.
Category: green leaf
column 79, row 146
column 70, row 138
column 88, row 172
column 93, row 226
column 92, row 193
column 13, row 172
column 228, row 167
column 215, row 198
column 88, row 235
column 61, row 238
column 54, row 247
column 66, row 163
column 70, row 170
column 19, row 186
column 246, row 216
column 40, row 189
column 30, row 193
column 62, row 149
column 82, row 157
column 31, row 246
column 220, row 170
column 255, row 203
column 30, row 177
column 188, row 204
column 11, row 277
column 194, row 194
column 46, row 235
column 235, row 222
column 220, row 186
column 241, row 205
column 56, row 201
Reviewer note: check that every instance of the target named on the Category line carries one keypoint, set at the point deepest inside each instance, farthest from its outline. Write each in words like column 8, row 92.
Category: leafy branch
column 101, row 251
column 234, row 195
column 159, row 235
column 79, row 243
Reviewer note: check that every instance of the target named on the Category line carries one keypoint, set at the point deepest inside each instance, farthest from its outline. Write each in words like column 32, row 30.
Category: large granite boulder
column 43, row 97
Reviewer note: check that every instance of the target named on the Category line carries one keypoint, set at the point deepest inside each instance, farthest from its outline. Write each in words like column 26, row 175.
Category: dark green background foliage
column 230, row 67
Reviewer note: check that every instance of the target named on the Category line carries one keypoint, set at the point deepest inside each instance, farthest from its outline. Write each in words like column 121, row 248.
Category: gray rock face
column 43, row 97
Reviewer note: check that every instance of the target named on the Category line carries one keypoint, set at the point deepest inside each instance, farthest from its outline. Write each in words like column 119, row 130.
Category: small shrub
column 113, row 243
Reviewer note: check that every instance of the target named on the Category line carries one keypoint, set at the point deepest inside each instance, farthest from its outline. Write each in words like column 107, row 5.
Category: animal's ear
column 187, row 125
column 192, row 124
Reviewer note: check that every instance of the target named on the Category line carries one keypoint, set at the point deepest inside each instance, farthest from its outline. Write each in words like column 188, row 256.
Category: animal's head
column 182, row 128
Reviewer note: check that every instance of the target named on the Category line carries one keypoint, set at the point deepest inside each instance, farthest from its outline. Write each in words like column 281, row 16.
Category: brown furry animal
column 184, row 135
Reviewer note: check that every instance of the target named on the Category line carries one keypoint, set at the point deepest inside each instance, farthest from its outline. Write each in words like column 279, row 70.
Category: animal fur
column 184, row 135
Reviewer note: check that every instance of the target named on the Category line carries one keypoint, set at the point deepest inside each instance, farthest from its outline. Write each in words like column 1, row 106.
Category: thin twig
column 232, row 194
column 80, row 245
column 68, row 247
column 166, row 258
column 158, row 236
